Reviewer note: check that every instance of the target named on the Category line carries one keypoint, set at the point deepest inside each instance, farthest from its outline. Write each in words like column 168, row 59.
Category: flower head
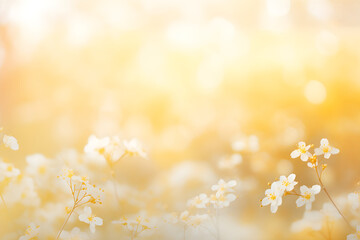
column 273, row 197
column 134, row 148
column 301, row 151
column 200, row 201
column 91, row 219
column 307, row 196
column 223, row 187
column 10, row 142
column 31, row 232
column 287, row 183
column 313, row 162
column 325, row 149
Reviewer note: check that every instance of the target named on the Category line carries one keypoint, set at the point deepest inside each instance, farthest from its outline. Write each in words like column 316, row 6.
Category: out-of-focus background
column 188, row 78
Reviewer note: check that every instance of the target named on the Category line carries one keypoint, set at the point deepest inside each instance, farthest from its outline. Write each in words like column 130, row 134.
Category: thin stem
column 3, row 200
column 66, row 220
column 332, row 201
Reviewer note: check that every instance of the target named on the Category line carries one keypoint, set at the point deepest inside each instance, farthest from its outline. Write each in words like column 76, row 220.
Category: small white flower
column 7, row 170
column 31, row 232
column 273, row 197
column 222, row 200
column 223, row 187
column 184, row 216
column 74, row 235
column 230, row 162
column 302, row 151
column 287, row 183
column 10, row 142
column 313, row 162
column 91, row 219
column 326, row 149
column 311, row 220
column 307, row 196
column 200, row 201
column 134, row 148
column 354, row 236
column 197, row 219
column 96, row 145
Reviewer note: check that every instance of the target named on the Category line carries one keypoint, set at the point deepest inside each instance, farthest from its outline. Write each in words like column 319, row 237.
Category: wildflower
column 10, row 142
column 307, row 196
column 200, row 201
column 223, row 187
column 313, row 162
column 273, row 197
column 96, row 145
column 31, row 232
column 222, row 200
column 134, row 148
column 354, row 236
column 74, row 234
column 325, row 149
column 184, row 216
column 7, row 170
column 135, row 227
column 91, row 219
column 302, row 151
column 230, row 162
column 287, row 183
column 311, row 220
column 197, row 219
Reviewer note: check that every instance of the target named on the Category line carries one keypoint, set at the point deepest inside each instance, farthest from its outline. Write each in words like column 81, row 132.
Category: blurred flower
column 230, row 162
column 31, row 232
column 313, row 162
column 222, row 200
column 223, row 187
column 354, row 199
column 7, row 170
column 10, row 142
column 354, row 236
column 200, row 201
column 74, row 235
column 134, row 148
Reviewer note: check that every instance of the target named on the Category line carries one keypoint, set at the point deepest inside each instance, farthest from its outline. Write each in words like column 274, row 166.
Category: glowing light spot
column 315, row 92
column 278, row 8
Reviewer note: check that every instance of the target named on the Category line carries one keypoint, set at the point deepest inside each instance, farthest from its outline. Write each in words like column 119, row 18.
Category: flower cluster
column 134, row 226
column 112, row 149
column 285, row 186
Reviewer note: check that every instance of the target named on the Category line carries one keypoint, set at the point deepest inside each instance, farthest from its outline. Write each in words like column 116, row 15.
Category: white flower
column 75, row 234
column 200, row 201
column 273, row 197
column 287, row 183
column 230, row 162
column 134, row 148
column 307, row 196
column 222, row 200
column 10, row 142
column 326, row 149
column 7, row 170
column 313, row 162
column 88, row 217
column 184, row 216
column 38, row 164
column 302, row 151
column 96, row 145
column 354, row 236
column 197, row 219
column 223, row 187
column 31, row 232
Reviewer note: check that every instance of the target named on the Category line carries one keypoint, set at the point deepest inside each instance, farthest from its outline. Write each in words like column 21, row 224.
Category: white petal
column 327, row 155
column 318, row 151
column 92, row 227
column 300, row 202
column 291, row 177
column 232, row 183
column 273, row 208
column 324, row 142
column 265, row 201
column 334, row 150
column 316, row 189
column 308, row 206
column 295, row 153
column 304, row 157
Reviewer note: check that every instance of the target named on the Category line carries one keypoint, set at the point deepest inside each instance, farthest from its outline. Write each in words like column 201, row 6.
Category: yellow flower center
column 307, row 196
column 302, row 149
column 91, row 218
column 326, row 149
column 286, row 183
column 42, row 169
column 9, row 168
column 272, row 196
